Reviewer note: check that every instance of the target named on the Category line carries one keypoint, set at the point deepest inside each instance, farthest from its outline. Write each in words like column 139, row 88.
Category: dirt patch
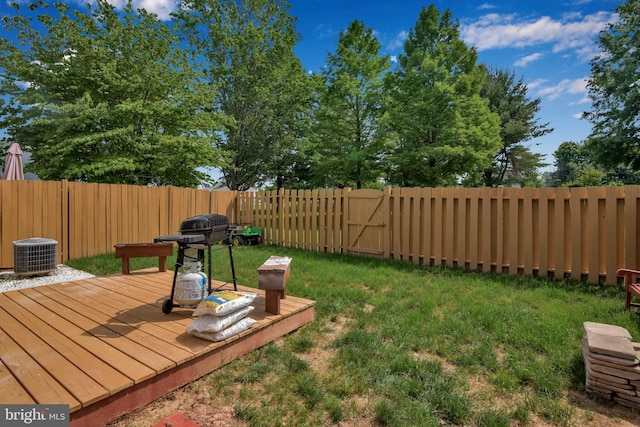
column 207, row 416
column 192, row 400
column 320, row 355
column 195, row 401
column 590, row 411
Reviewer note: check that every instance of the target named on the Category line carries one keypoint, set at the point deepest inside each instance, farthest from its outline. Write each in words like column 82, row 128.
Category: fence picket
column 632, row 234
column 450, row 229
column 473, row 224
column 416, row 232
column 613, row 249
column 544, row 225
column 529, row 221
column 336, row 246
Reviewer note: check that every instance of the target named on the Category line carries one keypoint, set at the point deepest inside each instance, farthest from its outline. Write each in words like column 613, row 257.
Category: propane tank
column 190, row 285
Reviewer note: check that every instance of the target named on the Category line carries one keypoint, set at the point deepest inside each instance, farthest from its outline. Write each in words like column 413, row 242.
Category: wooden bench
column 144, row 250
column 632, row 287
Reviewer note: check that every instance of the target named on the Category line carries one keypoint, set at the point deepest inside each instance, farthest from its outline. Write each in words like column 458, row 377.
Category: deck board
column 10, row 386
column 120, row 320
column 110, row 378
column 143, row 313
column 84, row 319
column 39, row 383
column 104, row 347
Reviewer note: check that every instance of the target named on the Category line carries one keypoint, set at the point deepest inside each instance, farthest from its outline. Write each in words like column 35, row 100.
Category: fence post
column 64, row 214
column 632, row 231
column 386, row 209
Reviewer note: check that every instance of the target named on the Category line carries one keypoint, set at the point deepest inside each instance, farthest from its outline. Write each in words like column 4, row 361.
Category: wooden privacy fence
column 89, row 219
column 581, row 233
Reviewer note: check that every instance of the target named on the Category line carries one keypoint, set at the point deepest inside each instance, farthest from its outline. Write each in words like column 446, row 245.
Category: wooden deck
column 104, row 347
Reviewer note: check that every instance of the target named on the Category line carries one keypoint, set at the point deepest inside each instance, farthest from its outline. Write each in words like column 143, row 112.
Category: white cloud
column 398, row 41
column 584, row 100
column 536, row 84
column 581, row 2
column 495, row 31
column 541, row 88
column 522, row 62
column 487, row 6
column 564, row 87
column 162, row 8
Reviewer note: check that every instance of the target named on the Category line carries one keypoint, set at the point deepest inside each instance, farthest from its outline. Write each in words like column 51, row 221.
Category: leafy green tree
column 288, row 164
column 622, row 175
column 446, row 133
column 514, row 163
column 574, row 167
column 102, row 96
column 569, row 158
column 350, row 116
column 247, row 48
column 614, row 88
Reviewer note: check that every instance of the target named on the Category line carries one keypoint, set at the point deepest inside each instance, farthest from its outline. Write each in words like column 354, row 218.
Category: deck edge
column 127, row 400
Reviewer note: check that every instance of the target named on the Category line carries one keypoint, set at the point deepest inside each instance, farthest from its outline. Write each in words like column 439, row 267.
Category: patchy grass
column 398, row 344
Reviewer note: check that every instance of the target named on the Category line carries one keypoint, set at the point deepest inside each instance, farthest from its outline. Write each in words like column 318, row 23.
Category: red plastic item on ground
column 177, row 419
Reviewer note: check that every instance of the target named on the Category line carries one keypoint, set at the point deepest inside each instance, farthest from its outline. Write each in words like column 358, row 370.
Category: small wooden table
column 272, row 277
column 144, row 250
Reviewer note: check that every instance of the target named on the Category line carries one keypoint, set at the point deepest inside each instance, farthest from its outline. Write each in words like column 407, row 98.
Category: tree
column 248, row 51
column 350, row 129
column 514, row 163
column 290, row 150
column 445, row 130
column 614, row 88
column 574, row 167
column 103, row 97
column 569, row 158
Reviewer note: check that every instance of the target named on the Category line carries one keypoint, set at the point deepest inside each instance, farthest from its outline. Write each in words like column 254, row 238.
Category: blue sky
column 548, row 44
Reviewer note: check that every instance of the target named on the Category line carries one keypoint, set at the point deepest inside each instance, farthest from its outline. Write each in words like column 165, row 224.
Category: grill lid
column 182, row 238
column 213, row 227
column 202, row 223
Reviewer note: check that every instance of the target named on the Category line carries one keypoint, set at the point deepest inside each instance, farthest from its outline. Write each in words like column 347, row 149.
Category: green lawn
column 403, row 345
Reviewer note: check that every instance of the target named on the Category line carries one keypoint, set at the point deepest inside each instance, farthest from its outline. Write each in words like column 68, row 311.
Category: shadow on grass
column 247, row 258
column 520, row 281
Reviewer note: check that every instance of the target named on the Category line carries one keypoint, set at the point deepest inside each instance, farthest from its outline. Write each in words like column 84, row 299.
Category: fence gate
column 367, row 216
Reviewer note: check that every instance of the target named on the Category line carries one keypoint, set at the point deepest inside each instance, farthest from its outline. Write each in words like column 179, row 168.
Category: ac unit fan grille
column 34, row 256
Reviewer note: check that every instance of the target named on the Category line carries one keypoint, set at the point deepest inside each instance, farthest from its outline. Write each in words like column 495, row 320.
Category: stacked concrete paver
column 611, row 362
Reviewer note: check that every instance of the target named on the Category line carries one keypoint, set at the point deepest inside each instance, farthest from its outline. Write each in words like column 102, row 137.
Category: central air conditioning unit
column 36, row 256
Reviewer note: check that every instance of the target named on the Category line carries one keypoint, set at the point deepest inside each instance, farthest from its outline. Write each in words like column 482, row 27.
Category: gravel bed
column 9, row 281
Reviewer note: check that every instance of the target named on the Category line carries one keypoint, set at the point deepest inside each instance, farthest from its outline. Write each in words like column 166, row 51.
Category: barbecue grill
column 212, row 227
column 198, row 233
